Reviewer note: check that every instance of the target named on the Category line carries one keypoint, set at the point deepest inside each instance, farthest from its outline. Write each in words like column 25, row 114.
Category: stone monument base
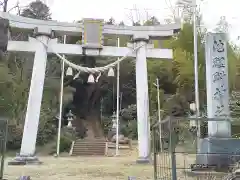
column 25, row 160
column 220, row 153
column 143, row 160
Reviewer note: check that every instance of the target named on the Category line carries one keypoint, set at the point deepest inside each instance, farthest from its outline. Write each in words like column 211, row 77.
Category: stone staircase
column 89, row 147
column 94, row 145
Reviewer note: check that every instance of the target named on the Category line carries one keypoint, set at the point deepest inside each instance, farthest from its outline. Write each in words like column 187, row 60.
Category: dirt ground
column 79, row 168
column 100, row 168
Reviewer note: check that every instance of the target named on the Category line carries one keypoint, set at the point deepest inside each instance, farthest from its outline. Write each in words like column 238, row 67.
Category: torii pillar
column 142, row 99
column 27, row 152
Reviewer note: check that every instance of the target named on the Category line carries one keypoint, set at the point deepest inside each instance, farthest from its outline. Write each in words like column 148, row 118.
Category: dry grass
column 77, row 168
column 100, row 168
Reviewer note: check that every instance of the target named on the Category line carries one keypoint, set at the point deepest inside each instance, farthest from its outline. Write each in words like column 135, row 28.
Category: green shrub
column 106, row 123
column 46, row 130
column 130, row 129
column 128, row 126
column 14, row 137
column 65, row 145
column 129, row 113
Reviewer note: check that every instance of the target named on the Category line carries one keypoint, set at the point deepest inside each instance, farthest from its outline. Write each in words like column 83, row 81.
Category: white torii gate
column 92, row 32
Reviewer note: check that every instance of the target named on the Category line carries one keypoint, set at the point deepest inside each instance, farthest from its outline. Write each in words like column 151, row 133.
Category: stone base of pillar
column 144, row 160
column 25, row 160
column 219, row 153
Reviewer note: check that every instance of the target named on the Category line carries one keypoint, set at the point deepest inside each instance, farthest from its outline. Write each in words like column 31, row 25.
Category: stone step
column 85, row 152
column 89, row 150
column 88, row 154
column 80, row 153
column 90, row 140
column 89, row 147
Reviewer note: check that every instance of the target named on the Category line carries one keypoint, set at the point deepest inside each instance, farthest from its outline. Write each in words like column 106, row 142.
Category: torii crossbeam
column 92, row 32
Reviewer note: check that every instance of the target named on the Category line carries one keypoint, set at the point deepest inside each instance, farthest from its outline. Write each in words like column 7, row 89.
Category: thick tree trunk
column 86, row 102
column 94, row 125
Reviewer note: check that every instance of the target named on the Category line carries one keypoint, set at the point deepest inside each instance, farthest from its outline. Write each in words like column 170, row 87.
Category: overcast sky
column 70, row 10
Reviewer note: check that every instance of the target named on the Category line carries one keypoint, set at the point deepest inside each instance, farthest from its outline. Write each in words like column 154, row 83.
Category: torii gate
column 92, row 32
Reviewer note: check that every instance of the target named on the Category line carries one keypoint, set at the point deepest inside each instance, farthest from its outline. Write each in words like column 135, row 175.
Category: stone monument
column 218, row 148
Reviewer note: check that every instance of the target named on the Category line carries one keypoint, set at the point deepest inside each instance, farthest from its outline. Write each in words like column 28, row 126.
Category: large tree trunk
column 87, row 102
column 94, row 125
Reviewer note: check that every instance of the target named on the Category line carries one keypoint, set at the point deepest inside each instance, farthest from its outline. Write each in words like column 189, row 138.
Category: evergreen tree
column 37, row 10
column 235, row 104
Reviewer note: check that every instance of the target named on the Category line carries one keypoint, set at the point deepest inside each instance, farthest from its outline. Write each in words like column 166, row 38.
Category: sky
column 72, row 10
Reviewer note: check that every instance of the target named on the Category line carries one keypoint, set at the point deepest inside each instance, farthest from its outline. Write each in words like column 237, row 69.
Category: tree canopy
column 37, row 10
